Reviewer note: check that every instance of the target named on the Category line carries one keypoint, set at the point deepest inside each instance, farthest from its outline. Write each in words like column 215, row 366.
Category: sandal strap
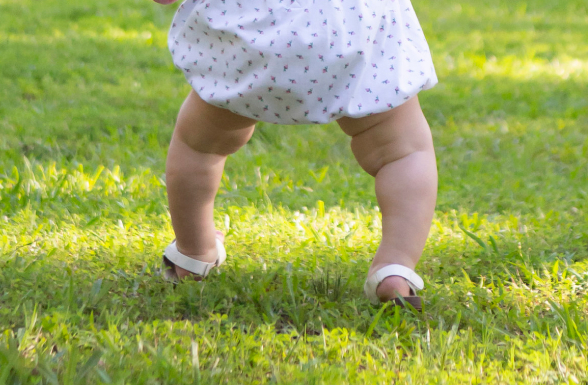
column 415, row 282
column 191, row 264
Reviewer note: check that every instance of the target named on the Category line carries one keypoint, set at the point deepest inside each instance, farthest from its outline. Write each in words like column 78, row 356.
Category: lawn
column 88, row 98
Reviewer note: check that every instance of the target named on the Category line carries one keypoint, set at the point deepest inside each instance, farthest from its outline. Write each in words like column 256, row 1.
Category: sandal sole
column 414, row 301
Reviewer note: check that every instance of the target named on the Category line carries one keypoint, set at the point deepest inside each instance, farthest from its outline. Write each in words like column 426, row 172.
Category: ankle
column 204, row 251
column 377, row 265
column 204, row 255
column 209, row 256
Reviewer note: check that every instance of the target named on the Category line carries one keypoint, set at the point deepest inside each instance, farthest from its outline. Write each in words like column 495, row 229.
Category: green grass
column 88, row 98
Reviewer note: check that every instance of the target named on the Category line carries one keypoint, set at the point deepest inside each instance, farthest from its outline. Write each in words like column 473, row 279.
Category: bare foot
column 210, row 256
column 391, row 287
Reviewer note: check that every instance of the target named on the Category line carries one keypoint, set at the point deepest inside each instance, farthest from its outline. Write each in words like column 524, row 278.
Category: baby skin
column 395, row 147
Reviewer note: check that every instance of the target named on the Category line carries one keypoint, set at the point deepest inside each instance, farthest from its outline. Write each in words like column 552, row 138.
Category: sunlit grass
column 88, row 98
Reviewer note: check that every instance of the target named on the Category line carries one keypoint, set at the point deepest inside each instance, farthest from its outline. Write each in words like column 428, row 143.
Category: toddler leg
column 396, row 148
column 203, row 137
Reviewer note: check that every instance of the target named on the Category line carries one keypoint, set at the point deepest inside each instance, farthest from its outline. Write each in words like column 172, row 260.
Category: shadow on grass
column 284, row 296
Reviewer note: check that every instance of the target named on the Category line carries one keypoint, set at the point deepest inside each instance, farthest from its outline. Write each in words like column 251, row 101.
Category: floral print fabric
column 302, row 61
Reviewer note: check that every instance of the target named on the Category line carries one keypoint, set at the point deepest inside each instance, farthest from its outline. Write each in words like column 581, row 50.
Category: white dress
column 302, row 61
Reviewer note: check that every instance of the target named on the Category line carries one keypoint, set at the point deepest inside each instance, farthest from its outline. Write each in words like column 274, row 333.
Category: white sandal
column 172, row 257
column 415, row 282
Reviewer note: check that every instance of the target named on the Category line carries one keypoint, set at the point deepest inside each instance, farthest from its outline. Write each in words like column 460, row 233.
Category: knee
column 386, row 137
column 374, row 159
column 379, row 146
column 209, row 129
column 219, row 141
column 228, row 143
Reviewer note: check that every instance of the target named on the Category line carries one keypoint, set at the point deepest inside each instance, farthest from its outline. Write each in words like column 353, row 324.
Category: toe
column 391, row 287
